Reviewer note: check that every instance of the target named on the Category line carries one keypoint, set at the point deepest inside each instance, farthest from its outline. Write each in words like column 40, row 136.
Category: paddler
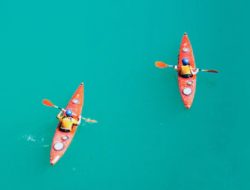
column 67, row 122
column 186, row 69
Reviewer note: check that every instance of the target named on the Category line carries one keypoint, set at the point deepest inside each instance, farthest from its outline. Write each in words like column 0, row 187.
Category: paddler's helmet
column 69, row 113
column 185, row 61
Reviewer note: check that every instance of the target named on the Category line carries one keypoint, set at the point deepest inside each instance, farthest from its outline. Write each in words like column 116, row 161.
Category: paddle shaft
column 162, row 65
column 62, row 109
column 198, row 69
column 47, row 102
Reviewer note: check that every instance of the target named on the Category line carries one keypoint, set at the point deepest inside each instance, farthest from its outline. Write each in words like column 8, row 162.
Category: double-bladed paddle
column 47, row 102
column 162, row 65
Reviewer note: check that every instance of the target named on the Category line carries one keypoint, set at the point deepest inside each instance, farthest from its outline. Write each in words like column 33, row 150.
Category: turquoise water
column 145, row 138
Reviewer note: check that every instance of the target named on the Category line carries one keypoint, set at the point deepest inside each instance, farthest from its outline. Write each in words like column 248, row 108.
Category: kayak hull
column 62, row 140
column 187, row 86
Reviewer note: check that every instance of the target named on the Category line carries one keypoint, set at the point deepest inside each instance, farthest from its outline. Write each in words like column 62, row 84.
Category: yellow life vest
column 67, row 123
column 185, row 70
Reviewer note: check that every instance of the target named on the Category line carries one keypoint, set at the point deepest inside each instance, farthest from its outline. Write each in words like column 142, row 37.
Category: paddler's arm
column 79, row 120
column 60, row 115
column 62, row 110
column 194, row 71
column 75, row 122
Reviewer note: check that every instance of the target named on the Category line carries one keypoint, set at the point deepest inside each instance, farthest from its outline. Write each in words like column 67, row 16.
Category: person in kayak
column 67, row 122
column 186, row 71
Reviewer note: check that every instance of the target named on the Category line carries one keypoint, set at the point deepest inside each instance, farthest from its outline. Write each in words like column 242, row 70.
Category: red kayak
column 62, row 140
column 187, row 86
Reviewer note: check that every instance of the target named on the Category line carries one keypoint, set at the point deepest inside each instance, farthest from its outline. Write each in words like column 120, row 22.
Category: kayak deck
column 187, row 86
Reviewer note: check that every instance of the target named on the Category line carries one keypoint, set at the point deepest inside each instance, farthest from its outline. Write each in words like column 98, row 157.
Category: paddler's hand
column 80, row 117
column 79, row 120
column 195, row 71
column 63, row 110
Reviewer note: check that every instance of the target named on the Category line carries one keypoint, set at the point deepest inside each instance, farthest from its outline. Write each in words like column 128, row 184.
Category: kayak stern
column 54, row 160
column 188, row 106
